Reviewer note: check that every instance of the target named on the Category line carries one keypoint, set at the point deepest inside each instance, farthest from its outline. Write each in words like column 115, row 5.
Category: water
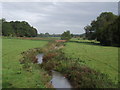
column 59, row 81
column 40, row 57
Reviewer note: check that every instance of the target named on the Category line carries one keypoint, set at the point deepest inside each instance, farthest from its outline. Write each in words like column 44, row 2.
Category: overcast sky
column 56, row 17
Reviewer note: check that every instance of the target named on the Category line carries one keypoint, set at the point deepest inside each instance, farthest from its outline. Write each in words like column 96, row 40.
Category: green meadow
column 14, row 76
column 100, row 58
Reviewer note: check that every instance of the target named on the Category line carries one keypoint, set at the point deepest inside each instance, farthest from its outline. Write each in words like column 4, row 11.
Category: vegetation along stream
column 65, row 72
column 58, row 80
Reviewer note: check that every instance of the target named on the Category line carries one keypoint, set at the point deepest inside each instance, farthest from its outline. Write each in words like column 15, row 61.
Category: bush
column 66, row 36
column 84, row 77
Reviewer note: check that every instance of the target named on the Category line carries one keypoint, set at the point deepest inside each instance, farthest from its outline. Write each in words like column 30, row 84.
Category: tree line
column 18, row 29
column 48, row 35
column 104, row 29
column 66, row 35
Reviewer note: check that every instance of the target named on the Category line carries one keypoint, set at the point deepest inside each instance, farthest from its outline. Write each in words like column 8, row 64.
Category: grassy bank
column 102, row 58
column 14, row 76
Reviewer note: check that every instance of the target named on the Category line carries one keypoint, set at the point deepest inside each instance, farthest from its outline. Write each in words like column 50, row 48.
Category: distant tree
column 72, row 35
column 88, row 32
column 3, row 20
column 41, row 35
column 47, row 34
column 7, row 29
column 18, row 28
column 66, row 36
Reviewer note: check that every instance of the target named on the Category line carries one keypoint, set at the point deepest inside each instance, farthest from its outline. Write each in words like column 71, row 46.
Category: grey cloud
column 57, row 17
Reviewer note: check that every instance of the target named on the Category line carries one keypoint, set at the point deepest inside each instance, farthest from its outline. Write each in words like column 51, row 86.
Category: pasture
column 100, row 58
column 13, row 75
column 95, row 56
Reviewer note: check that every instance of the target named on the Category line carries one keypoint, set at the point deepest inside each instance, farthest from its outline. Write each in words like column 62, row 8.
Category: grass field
column 101, row 58
column 11, row 53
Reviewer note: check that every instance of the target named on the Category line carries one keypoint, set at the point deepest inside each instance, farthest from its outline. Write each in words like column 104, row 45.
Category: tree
column 102, row 22
column 88, row 31
column 7, row 29
column 97, row 26
column 47, row 34
column 41, row 35
column 104, row 29
column 111, row 35
column 66, row 36
column 18, row 28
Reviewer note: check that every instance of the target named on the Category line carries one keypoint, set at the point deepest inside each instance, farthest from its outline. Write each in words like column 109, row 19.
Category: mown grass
column 100, row 58
column 14, row 76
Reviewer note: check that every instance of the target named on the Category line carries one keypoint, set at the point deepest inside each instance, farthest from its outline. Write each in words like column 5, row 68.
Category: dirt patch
column 60, row 40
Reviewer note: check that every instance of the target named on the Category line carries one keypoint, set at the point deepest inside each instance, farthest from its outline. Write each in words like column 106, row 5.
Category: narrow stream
column 58, row 80
column 40, row 57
